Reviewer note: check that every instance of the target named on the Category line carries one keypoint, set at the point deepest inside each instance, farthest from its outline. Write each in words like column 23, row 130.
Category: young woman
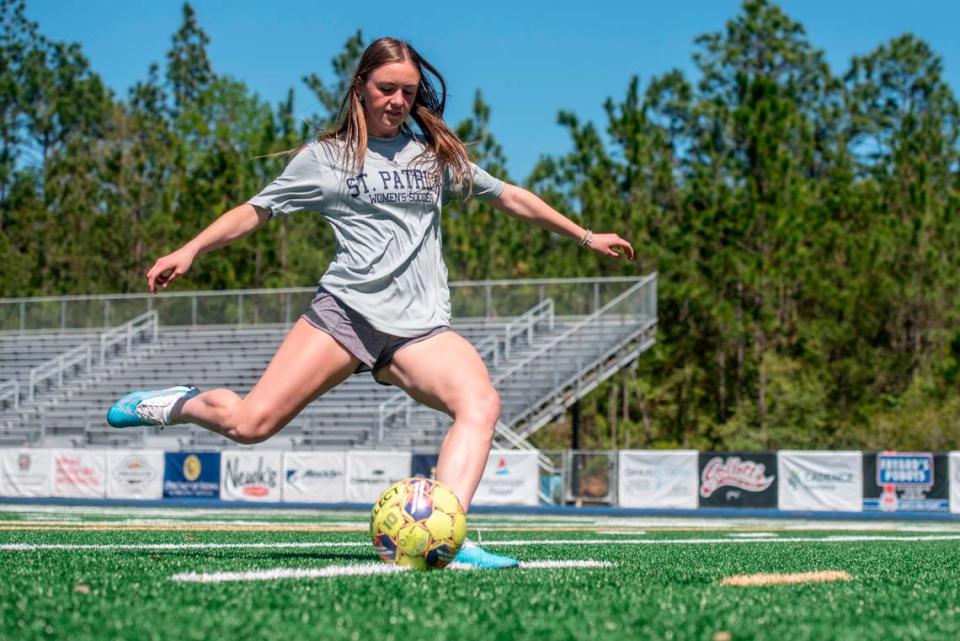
column 383, row 305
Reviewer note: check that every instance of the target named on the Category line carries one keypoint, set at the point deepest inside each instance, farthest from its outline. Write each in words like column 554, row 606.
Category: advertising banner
column 314, row 477
column 135, row 474
column 251, row 476
column 822, row 481
column 905, row 481
column 191, row 475
column 371, row 472
column 658, row 479
column 738, row 479
column 510, row 478
column 26, row 472
column 80, row 473
column 955, row 481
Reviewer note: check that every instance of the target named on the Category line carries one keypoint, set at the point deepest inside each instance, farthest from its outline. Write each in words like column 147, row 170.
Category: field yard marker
column 93, row 547
column 749, row 580
column 356, row 569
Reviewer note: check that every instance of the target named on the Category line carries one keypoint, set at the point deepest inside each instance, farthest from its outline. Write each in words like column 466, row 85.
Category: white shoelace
column 157, row 410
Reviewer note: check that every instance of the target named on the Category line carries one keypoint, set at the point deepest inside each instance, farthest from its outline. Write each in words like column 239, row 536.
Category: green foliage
column 803, row 224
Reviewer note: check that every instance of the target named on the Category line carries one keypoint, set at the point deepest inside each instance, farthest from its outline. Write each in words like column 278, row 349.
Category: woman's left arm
column 525, row 205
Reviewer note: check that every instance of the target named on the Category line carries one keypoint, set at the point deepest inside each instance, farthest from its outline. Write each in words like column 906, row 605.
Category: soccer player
column 383, row 304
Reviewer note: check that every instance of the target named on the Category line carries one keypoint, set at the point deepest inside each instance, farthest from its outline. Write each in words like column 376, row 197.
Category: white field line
column 288, row 573
column 543, row 565
column 864, row 538
column 358, row 569
column 624, row 532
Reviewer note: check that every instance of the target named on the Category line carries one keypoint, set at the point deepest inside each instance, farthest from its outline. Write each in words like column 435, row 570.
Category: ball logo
column 192, row 467
column 734, row 472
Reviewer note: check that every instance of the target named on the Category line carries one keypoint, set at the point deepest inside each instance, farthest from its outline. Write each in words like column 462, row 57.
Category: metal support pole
column 575, row 427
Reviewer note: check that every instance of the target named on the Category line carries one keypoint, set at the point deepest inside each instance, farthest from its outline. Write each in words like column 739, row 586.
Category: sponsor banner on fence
column 955, row 481
column 371, row 472
column 658, row 479
column 191, row 474
column 510, row 478
column 822, row 481
column 738, row 479
column 25, row 472
column 135, row 474
column 80, row 473
column 314, row 477
column 251, row 476
column 905, row 481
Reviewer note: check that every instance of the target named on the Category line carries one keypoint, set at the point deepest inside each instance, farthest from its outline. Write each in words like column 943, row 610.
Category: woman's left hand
column 608, row 244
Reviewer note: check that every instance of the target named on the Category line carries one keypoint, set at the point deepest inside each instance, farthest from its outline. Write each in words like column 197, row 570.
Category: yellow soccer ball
column 418, row 522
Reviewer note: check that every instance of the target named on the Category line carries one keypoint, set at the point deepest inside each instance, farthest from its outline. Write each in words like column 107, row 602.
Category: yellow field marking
column 245, row 527
column 180, row 527
column 786, row 579
column 217, row 526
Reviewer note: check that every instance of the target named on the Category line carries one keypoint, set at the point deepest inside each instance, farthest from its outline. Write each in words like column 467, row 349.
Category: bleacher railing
column 124, row 335
column 80, row 357
column 10, row 394
column 469, row 299
column 631, row 313
column 525, row 325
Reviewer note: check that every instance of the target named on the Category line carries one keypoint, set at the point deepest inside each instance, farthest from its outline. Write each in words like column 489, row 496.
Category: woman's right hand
column 168, row 268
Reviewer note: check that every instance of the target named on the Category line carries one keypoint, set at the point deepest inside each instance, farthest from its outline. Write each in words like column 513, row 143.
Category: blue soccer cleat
column 147, row 407
column 476, row 557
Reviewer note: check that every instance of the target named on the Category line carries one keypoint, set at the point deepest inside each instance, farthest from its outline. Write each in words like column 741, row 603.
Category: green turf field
column 80, row 573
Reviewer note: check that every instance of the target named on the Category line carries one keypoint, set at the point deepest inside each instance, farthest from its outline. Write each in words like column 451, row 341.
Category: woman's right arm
column 234, row 224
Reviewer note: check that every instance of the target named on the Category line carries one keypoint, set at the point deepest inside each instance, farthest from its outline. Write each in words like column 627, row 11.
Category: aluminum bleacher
column 546, row 343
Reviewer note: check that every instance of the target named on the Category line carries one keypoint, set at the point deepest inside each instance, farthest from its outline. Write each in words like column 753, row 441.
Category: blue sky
column 530, row 59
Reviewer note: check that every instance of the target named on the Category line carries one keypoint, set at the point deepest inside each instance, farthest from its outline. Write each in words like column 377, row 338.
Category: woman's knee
column 249, row 424
column 484, row 409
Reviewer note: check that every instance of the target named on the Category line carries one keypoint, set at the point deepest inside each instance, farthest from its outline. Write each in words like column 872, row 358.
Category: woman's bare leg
column 307, row 364
column 446, row 373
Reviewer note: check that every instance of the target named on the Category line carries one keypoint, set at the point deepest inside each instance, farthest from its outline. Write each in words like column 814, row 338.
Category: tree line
column 803, row 222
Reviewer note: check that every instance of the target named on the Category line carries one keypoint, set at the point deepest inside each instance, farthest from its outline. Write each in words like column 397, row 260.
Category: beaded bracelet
column 585, row 241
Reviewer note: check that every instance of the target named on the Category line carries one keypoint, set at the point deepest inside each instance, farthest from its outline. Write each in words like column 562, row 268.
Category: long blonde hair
column 446, row 150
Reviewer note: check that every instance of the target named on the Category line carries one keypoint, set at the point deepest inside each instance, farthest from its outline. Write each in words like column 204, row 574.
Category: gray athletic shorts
column 374, row 348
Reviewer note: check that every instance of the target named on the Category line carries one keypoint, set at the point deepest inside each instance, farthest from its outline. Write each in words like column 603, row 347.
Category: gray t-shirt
column 386, row 219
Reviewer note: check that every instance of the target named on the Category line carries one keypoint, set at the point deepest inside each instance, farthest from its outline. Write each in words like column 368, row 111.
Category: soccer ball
column 418, row 522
